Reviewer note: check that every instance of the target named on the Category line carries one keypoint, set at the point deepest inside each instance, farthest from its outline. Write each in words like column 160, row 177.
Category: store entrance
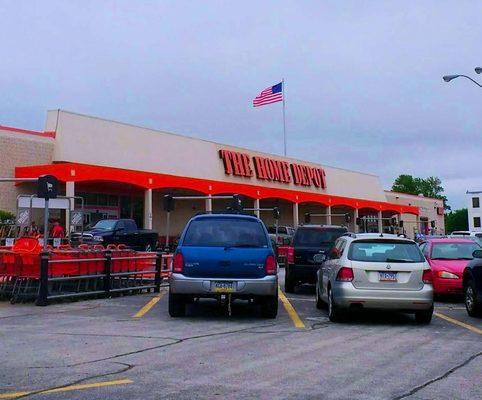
column 132, row 208
column 110, row 200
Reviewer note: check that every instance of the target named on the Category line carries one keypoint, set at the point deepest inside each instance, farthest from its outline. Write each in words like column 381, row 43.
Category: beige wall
column 20, row 149
column 427, row 207
column 90, row 140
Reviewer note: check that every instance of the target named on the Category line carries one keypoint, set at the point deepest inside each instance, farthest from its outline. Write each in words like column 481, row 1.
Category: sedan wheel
column 334, row 312
column 320, row 304
column 474, row 309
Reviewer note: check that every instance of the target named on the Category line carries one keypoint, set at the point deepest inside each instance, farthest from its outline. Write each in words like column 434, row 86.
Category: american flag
column 269, row 95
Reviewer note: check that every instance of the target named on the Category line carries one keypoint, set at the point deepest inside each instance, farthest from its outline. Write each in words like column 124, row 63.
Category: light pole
column 448, row 78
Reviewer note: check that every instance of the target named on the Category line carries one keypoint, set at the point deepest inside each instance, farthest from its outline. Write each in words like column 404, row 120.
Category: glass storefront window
column 113, row 200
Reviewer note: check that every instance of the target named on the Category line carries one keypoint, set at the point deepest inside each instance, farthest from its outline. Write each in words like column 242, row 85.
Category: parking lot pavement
column 106, row 349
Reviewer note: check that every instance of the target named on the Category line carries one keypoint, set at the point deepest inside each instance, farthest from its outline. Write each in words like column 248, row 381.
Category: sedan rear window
column 225, row 232
column 316, row 236
column 385, row 251
column 453, row 251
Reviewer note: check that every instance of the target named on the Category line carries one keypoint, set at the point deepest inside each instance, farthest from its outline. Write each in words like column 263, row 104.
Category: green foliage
column 457, row 220
column 6, row 215
column 429, row 187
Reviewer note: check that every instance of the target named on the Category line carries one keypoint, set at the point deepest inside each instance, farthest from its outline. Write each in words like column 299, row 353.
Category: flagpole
column 284, row 116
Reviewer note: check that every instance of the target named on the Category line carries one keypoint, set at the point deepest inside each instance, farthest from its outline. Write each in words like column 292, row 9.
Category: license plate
column 387, row 276
column 222, row 287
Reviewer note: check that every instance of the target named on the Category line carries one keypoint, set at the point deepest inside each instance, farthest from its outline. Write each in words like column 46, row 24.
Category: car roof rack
column 350, row 234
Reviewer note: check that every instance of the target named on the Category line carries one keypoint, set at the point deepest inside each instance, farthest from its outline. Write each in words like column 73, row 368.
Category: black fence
column 106, row 274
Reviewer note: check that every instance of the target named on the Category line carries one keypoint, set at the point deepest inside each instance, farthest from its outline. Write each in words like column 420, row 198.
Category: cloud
column 364, row 88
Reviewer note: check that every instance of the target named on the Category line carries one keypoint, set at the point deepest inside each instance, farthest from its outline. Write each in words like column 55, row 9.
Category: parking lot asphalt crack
column 125, row 367
column 439, row 378
column 174, row 341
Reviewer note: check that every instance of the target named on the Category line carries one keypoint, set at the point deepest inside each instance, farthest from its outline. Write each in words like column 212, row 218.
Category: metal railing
column 107, row 275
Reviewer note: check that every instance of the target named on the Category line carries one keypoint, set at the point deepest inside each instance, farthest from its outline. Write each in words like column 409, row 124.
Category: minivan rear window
column 316, row 236
column 225, row 232
column 385, row 251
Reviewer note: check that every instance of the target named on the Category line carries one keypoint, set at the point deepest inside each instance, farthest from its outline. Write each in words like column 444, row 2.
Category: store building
column 474, row 201
column 124, row 171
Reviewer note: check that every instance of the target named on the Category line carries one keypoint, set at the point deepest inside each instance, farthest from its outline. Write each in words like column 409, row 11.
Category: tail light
column 178, row 263
column 270, row 265
column 345, row 274
column 290, row 255
column 427, row 276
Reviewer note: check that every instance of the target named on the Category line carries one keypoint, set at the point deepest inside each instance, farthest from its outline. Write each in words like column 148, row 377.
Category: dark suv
column 308, row 241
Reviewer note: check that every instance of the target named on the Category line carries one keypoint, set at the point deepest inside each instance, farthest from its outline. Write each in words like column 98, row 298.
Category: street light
column 448, row 78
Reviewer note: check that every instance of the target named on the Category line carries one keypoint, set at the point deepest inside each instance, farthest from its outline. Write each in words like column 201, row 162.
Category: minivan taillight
column 427, row 276
column 178, row 263
column 290, row 255
column 270, row 265
column 345, row 274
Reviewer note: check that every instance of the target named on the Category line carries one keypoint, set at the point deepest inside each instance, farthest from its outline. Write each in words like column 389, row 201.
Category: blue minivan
column 224, row 256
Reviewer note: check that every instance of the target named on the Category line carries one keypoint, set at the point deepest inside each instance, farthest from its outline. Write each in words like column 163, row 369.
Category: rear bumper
column 346, row 295
column 448, row 286
column 304, row 272
column 267, row 286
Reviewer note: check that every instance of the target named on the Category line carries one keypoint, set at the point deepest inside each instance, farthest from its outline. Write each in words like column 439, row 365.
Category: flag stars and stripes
column 272, row 94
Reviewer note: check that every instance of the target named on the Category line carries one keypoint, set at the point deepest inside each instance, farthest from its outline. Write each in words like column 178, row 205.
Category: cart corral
column 29, row 274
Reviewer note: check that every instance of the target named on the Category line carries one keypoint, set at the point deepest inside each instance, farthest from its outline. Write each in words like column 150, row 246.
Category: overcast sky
column 363, row 78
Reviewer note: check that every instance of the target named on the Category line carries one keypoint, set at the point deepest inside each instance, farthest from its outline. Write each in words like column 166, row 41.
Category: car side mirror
column 319, row 258
column 477, row 254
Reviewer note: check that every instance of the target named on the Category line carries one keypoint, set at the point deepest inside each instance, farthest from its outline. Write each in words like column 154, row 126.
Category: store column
column 69, row 192
column 148, row 209
column 328, row 215
column 380, row 222
column 256, row 208
column 355, row 218
column 295, row 215
column 209, row 204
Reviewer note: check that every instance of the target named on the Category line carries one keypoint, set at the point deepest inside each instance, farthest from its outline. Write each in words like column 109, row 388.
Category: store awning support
column 148, row 209
column 296, row 219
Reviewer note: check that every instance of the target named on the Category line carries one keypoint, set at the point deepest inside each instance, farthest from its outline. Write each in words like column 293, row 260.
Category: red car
column 448, row 259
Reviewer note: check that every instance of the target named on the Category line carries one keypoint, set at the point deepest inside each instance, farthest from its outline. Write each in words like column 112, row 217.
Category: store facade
column 124, row 171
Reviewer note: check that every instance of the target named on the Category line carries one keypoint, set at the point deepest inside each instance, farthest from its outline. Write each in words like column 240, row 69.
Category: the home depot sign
column 241, row 164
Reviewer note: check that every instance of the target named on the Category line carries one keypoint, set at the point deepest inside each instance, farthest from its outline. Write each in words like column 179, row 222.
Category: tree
column 405, row 184
column 457, row 220
column 429, row 187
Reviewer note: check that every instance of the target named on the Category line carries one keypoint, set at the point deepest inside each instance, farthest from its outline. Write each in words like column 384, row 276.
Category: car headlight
column 98, row 238
column 447, row 275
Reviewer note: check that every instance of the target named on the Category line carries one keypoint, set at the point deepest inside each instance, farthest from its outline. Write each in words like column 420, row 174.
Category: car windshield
column 453, row 251
column 225, row 232
column 316, row 236
column 106, row 224
column 385, row 251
